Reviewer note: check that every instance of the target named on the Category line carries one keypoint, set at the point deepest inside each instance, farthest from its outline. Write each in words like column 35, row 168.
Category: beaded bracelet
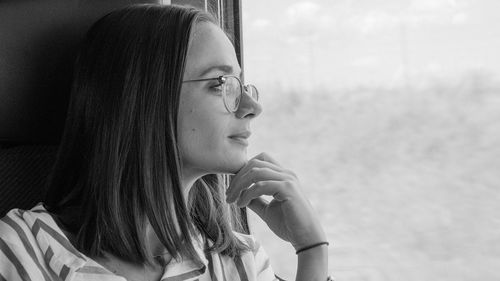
column 311, row 246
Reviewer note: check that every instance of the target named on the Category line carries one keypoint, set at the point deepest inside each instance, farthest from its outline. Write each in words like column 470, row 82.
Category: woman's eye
column 216, row 87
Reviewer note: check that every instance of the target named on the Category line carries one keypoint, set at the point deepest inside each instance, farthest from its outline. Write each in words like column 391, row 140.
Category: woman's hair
column 118, row 164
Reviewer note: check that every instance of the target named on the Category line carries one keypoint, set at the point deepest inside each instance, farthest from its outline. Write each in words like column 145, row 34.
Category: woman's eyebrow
column 227, row 69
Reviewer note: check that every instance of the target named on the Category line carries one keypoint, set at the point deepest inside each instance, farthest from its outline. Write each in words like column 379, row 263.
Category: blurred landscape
column 389, row 112
column 406, row 179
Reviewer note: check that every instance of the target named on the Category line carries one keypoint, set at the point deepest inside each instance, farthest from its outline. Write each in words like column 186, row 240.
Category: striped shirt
column 33, row 247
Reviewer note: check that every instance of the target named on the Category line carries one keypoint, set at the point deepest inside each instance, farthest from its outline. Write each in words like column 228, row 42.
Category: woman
column 157, row 120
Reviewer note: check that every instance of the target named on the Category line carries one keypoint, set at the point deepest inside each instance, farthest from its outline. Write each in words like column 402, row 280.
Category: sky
column 352, row 43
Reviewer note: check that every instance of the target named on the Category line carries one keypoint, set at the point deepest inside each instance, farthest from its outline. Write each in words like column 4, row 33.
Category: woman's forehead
column 210, row 51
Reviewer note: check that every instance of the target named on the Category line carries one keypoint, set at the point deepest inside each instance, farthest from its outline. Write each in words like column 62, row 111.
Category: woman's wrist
column 313, row 264
column 320, row 251
column 314, row 245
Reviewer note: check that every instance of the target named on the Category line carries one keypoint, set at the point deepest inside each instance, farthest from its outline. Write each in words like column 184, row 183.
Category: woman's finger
column 254, row 162
column 266, row 157
column 268, row 187
column 254, row 175
column 258, row 206
column 243, row 173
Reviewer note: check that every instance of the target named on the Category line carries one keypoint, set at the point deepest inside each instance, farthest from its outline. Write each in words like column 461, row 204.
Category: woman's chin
column 238, row 168
column 234, row 165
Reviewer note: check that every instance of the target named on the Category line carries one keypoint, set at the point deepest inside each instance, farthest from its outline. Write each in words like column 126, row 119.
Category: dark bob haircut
column 118, row 165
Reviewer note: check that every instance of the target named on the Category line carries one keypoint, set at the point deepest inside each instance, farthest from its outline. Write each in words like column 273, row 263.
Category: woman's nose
column 248, row 107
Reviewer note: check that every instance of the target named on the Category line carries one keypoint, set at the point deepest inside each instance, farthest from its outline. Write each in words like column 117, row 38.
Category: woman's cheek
column 199, row 140
column 205, row 138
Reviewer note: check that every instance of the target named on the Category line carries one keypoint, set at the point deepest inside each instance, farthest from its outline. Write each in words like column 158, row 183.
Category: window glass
column 227, row 12
column 201, row 4
column 388, row 112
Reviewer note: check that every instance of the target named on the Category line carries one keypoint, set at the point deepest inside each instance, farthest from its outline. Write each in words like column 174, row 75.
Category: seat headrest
column 38, row 43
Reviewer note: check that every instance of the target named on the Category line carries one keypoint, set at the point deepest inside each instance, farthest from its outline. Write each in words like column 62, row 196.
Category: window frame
column 229, row 15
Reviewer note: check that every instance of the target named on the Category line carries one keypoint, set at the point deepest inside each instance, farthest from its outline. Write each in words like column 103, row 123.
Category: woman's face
column 212, row 140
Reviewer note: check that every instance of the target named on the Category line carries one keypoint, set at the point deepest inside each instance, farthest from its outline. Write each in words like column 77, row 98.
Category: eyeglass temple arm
column 204, row 79
column 215, row 78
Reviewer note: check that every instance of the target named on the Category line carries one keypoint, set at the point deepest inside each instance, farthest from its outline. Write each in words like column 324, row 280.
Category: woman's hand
column 289, row 214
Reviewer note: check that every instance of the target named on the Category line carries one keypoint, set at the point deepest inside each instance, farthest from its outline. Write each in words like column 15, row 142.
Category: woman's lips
column 241, row 138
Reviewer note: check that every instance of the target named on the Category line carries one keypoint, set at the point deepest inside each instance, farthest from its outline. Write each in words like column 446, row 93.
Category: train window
column 387, row 112
column 228, row 12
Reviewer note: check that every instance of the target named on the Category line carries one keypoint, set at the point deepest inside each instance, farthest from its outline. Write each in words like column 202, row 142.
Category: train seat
column 38, row 41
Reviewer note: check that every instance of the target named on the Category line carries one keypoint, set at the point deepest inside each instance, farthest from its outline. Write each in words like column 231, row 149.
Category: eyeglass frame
column 222, row 81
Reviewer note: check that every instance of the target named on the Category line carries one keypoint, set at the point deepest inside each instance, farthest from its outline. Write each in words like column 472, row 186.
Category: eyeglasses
column 232, row 90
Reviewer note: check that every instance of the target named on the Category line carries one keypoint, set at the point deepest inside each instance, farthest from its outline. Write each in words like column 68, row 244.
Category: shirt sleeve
column 11, row 268
column 19, row 259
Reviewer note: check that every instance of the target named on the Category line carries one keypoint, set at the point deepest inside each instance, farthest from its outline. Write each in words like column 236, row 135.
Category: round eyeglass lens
column 232, row 89
column 252, row 91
